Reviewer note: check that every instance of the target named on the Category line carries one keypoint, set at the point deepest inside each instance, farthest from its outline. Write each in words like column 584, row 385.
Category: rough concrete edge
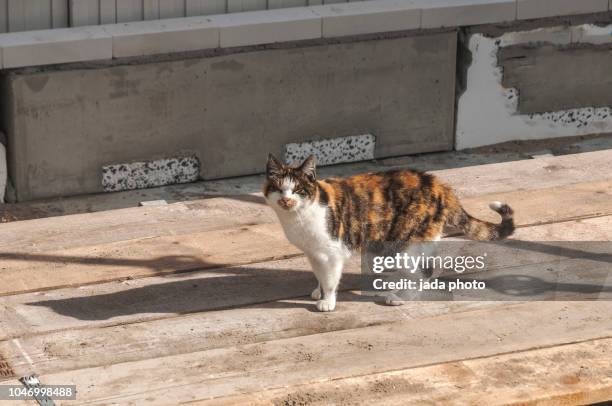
column 7, row 128
column 501, row 104
column 3, row 167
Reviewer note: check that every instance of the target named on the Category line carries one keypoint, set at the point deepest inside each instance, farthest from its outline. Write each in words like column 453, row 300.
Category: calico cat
column 331, row 218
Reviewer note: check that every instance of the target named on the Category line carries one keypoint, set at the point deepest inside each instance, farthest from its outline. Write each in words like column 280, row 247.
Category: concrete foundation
column 229, row 111
column 536, row 84
column 553, row 78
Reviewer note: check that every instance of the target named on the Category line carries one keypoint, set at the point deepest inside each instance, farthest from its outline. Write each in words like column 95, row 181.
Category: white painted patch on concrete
column 333, row 151
column 3, row 172
column 140, row 175
column 487, row 112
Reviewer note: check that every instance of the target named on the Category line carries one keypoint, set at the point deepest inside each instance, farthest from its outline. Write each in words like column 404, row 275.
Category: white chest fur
column 307, row 229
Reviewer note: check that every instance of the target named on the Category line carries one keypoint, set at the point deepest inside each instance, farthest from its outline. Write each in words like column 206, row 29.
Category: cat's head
column 290, row 188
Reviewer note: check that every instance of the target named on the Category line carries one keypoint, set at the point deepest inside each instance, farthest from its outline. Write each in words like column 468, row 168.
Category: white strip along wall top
column 245, row 28
column 487, row 113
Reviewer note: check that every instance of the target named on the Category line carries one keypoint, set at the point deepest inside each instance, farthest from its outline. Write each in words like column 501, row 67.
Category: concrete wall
column 230, row 111
column 535, row 84
column 551, row 77
column 293, row 81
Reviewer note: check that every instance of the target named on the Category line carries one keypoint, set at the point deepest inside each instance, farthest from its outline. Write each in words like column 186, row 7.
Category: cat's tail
column 481, row 230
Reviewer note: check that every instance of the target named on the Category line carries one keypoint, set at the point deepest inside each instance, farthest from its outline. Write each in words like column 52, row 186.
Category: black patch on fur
column 323, row 197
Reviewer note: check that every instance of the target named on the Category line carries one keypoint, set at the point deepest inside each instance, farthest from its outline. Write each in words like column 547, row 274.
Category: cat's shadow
column 206, row 290
column 254, row 286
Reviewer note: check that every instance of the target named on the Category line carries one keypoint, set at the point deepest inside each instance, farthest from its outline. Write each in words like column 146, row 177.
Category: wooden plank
column 130, row 10
column 59, row 13
column 144, row 328
column 529, row 174
column 205, row 7
column 38, row 14
column 52, row 234
column 3, row 16
column 84, row 12
column 151, row 9
column 27, row 316
column 108, row 12
column 23, row 269
column 138, row 299
column 31, row 272
column 549, row 205
column 578, row 373
column 340, row 354
column 104, row 345
column 234, row 6
column 286, row 3
column 16, row 16
column 171, row 8
column 88, row 229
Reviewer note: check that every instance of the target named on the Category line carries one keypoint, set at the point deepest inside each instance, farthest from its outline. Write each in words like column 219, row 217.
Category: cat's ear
column 274, row 167
column 309, row 168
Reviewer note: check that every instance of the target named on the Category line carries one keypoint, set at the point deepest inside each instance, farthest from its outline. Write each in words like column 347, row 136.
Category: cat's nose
column 286, row 203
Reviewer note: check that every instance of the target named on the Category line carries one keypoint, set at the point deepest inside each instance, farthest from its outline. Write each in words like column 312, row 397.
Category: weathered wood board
column 340, row 354
column 136, row 305
column 22, row 270
column 571, row 374
column 153, row 297
column 205, row 215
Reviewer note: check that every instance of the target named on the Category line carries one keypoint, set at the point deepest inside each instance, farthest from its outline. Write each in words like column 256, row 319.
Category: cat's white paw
column 316, row 294
column 326, row 305
column 392, row 300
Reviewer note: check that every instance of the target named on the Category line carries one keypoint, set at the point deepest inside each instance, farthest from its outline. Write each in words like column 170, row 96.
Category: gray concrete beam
column 230, row 111
column 558, row 77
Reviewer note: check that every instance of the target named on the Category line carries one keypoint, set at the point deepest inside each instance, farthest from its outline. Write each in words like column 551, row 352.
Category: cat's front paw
column 326, row 305
column 316, row 294
column 393, row 300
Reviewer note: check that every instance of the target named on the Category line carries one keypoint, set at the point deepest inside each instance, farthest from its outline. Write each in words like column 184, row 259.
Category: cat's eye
column 273, row 188
column 300, row 191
